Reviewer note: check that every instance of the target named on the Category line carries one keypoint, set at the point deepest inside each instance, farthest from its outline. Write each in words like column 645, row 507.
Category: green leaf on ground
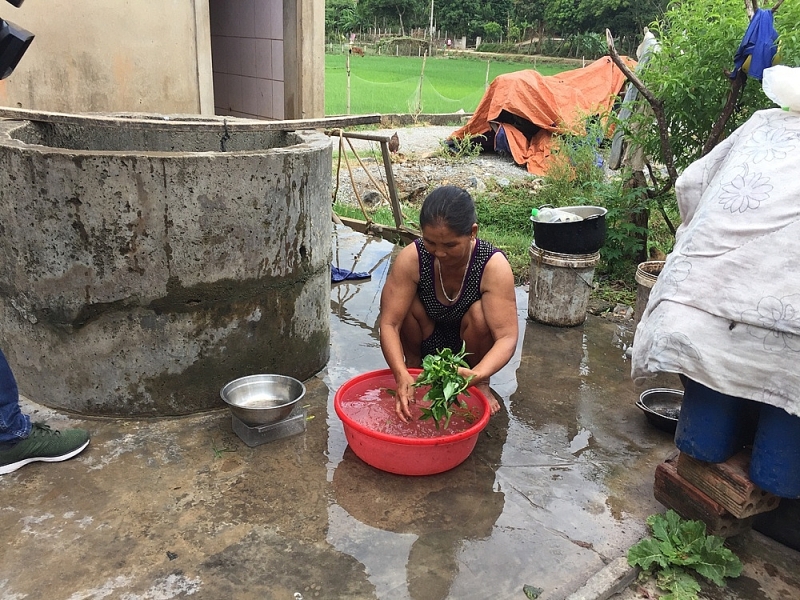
column 531, row 592
column 678, row 546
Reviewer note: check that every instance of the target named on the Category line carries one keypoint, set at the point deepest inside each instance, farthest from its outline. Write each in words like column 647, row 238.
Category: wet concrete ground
column 559, row 484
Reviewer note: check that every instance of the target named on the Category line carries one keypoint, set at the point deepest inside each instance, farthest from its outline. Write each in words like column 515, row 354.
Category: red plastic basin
column 406, row 455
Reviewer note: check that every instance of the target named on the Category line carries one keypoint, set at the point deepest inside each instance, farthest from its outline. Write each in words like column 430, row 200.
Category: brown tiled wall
column 247, row 55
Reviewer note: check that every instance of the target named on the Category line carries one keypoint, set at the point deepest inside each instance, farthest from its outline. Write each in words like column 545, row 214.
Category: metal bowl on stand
column 262, row 399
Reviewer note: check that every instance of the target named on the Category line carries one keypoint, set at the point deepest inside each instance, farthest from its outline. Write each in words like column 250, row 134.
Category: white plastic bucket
column 560, row 286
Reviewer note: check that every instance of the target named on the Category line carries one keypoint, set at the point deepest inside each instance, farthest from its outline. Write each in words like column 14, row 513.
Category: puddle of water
column 542, row 488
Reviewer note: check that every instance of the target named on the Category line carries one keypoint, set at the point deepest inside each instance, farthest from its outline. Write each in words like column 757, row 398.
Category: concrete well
column 143, row 268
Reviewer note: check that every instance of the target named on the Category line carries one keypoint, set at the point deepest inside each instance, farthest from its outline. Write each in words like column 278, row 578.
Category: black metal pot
column 662, row 407
column 576, row 237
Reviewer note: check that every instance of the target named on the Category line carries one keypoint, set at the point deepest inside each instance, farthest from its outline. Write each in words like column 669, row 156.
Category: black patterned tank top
column 447, row 317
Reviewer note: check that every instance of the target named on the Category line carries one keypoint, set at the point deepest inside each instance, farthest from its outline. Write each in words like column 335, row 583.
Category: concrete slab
column 558, row 486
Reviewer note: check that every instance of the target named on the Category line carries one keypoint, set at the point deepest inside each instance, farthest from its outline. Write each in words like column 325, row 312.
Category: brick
column 728, row 483
column 673, row 491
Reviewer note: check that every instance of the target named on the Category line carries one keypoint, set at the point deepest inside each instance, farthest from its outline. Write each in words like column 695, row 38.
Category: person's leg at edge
column 14, row 425
column 478, row 339
column 21, row 442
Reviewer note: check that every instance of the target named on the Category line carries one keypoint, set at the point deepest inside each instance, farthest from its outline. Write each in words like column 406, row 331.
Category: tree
column 456, row 16
column 395, row 8
column 492, row 30
column 623, row 17
column 689, row 75
column 342, row 16
column 564, row 16
column 688, row 88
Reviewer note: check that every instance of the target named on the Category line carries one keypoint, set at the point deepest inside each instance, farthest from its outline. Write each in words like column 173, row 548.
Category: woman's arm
column 396, row 298
column 499, row 304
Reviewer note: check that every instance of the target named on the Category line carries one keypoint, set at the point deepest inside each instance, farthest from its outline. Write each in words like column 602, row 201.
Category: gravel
column 418, row 167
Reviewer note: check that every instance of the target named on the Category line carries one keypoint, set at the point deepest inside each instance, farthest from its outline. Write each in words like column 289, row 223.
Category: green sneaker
column 43, row 444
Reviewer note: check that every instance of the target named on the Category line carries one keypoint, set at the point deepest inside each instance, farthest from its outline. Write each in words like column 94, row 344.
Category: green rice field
column 390, row 84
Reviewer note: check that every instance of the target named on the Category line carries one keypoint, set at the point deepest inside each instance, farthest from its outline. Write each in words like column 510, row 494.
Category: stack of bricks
column 719, row 494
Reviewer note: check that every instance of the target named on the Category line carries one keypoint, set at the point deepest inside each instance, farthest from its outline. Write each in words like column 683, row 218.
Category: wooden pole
column 394, row 200
column 387, row 163
column 338, row 165
column 421, row 78
column 486, row 83
column 347, row 92
column 355, row 190
column 377, row 185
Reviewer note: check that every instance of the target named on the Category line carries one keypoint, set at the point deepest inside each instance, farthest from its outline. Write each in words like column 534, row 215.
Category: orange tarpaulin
column 545, row 104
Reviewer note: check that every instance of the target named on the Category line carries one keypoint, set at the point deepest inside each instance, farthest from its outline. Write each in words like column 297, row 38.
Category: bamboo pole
column 395, row 201
column 381, row 189
column 348, row 84
column 338, row 165
column 355, row 190
column 421, row 80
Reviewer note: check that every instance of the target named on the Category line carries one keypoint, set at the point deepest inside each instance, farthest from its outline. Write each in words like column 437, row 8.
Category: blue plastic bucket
column 712, row 426
column 775, row 461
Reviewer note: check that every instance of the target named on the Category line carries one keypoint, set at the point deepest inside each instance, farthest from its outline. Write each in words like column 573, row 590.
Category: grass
column 502, row 216
column 504, row 221
column 382, row 215
column 389, row 84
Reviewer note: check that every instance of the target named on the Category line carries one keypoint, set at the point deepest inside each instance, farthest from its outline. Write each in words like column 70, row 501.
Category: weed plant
column 577, row 176
column 678, row 550
column 457, row 149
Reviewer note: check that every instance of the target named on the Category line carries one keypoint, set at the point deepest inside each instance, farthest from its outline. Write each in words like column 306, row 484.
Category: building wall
column 269, row 58
column 248, row 57
column 304, row 65
column 112, row 55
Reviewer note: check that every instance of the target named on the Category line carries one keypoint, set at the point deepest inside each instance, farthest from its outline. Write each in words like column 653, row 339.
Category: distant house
column 248, row 58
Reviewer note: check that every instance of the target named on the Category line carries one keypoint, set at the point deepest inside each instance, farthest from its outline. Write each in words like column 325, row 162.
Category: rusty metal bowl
column 662, row 407
column 262, row 399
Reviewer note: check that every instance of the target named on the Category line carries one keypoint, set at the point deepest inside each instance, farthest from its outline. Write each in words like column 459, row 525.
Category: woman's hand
column 405, row 396
column 482, row 383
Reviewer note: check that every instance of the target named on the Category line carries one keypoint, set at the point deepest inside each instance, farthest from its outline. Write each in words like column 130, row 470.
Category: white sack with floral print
column 725, row 310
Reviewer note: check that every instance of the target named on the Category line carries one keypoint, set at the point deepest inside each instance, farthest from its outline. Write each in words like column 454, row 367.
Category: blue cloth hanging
column 758, row 43
column 338, row 274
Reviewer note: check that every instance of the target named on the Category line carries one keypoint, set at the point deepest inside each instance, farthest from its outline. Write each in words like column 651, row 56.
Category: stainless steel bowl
column 262, row 399
column 662, row 407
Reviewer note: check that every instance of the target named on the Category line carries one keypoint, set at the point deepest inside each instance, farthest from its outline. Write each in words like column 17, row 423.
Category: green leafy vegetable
column 678, row 546
column 440, row 371
column 532, row 592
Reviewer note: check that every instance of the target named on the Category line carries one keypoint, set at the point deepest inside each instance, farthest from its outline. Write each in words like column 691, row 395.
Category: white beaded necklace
column 463, row 279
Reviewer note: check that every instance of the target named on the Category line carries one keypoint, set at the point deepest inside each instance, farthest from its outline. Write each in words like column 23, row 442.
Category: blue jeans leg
column 13, row 424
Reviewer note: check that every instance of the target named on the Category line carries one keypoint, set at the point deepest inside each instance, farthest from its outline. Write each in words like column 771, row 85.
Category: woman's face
column 450, row 248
